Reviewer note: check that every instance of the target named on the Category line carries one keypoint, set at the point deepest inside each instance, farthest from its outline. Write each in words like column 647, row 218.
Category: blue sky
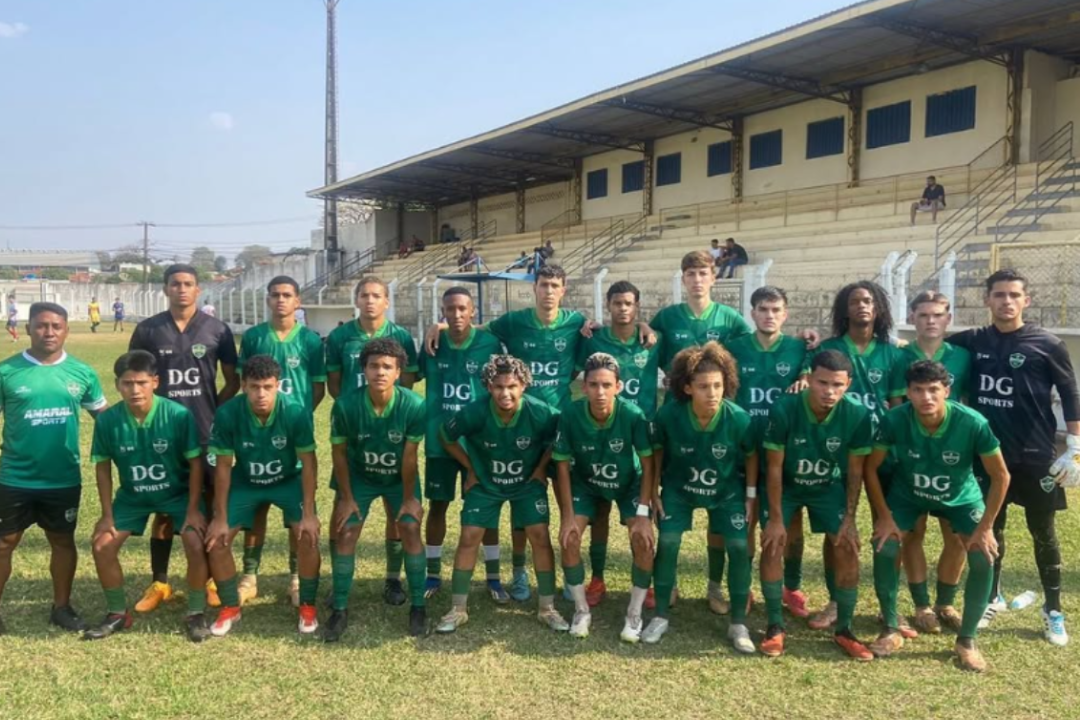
column 198, row 111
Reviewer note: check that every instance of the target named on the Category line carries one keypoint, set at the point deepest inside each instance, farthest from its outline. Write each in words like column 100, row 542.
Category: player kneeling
column 507, row 450
column 265, row 453
column 603, row 450
column 817, row 443
column 704, row 442
column 935, row 442
column 154, row 444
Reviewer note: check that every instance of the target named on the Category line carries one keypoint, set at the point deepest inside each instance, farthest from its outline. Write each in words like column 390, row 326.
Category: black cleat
column 66, row 618
column 197, row 629
column 393, row 593
column 335, row 626
column 418, row 622
column 113, row 623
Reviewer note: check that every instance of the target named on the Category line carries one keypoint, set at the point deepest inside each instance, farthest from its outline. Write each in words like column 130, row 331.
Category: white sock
column 637, row 601
column 715, row 589
column 581, row 605
column 433, row 551
column 491, row 552
column 546, row 602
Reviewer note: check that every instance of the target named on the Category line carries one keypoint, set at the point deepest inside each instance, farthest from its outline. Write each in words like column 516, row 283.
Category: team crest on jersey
column 1048, row 484
column 738, row 521
column 832, row 444
column 719, row 451
column 782, row 369
column 524, row 442
column 471, row 367
column 641, row 359
column 713, row 335
column 1016, row 360
column 950, row 457
column 395, row 436
column 198, row 350
column 278, row 441
column 74, row 389
column 616, row 445
column 293, row 362
column 160, row 445
column 560, row 344
column 875, row 375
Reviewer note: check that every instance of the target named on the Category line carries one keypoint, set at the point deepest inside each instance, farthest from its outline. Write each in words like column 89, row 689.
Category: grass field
column 503, row 664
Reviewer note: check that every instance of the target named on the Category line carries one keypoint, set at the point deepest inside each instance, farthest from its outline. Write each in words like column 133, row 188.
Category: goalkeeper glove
column 1066, row 469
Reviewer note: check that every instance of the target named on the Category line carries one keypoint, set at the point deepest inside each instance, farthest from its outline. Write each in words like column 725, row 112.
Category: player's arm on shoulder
column 93, row 400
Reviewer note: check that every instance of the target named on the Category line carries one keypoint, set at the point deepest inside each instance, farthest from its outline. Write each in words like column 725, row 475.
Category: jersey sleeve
column 1061, row 374
column 862, row 439
column 226, row 347
column 885, row 433
column 100, row 447
column 500, row 327
column 339, row 425
column 316, row 359
column 660, row 428
column 776, row 434
column 246, row 351
column 137, row 341
column 333, row 352
column 739, row 326
column 657, row 322
column 585, row 349
column 748, row 441
column 464, row 422
column 411, row 363
column 963, row 339
column 563, row 447
column 986, row 443
column 898, row 378
column 223, row 434
column 416, row 422
column 550, row 427
column 301, row 427
column 642, row 436
column 93, row 398
column 189, row 435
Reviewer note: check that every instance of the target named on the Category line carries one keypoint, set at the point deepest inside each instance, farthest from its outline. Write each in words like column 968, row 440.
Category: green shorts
column 441, row 478
column 245, row 500
column 365, row 493
column 130, row 516
column 825, row 506
column 587, row 502
column 906, row 512
column 528, row 506
column 727, row 517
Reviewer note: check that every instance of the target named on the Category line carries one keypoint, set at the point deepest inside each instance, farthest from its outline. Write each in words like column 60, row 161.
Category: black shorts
column 52, row 509
column 1030, row 487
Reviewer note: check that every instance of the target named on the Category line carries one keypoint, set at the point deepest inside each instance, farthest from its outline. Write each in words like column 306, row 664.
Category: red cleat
column 851, row 645
column 650, row 600
column 597, row 590
column 795, row 602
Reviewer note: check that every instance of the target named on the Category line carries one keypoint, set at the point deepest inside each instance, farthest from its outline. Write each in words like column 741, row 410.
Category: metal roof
column 826, row 57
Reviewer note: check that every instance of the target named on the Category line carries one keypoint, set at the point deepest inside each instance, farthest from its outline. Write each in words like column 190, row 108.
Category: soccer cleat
column 740, row 639
column 908, row 632
column 212, row 597
column 926, row 621
column 196, row 627
column 248, row 587
column 773, row 644
column 336, row 625
column 113, row 623
column 852, row 646
column 824, row 618
column 579, row 626
column 595, row 592
column 417, row 621
column 519, row 586
column 227, row 619
column 294, row 590
column 949, row 616
column 393, row 592
column 996, row 605
column 655, row 630
column 432, row 586
column 887, row 643
column 718, row 604
column 1054, row 627
column 66, row 618
column 308, row 620
column 650, row 599
column 498, row 592
column 969, row 658
column 795, row 602
column 631, row 630
column 452, row 620
column 157, row 593
column 551, row 617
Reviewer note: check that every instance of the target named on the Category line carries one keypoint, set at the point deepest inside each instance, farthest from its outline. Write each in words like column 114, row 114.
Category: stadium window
column 633, row 176
column 766, row 149
column 596, row 184
column 824, row 138
column 888, row 125
column 720, row 158
column 669, row 169
column 950, row 112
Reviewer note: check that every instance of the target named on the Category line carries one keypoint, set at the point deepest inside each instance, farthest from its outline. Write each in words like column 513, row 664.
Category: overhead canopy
column 827, row 57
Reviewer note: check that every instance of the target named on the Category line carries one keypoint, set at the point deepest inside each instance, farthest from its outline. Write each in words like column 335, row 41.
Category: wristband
column 643, row 510
column 751, row 493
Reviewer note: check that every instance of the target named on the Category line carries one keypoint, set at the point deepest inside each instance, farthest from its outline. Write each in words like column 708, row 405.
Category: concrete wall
column 503, row 210
column 796, row 171
column 418, row 223
column 1067, row 103
column 1042, row 76
column 457, row 216
column 545, row 203
column 617, row 202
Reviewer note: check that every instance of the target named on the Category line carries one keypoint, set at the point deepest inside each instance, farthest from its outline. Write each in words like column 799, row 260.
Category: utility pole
column 330, row 218
column 145, row 252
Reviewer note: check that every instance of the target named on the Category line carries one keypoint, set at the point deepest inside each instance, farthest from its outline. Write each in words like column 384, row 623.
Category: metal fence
column 1053, row 273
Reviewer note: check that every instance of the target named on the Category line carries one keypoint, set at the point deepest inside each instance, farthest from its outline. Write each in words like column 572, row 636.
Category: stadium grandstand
column 808, row 146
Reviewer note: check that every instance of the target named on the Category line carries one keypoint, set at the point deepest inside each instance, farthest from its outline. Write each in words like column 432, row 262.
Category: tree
column 247, row 257
column 104, row 259
column 9, row 273
column 55, row 273
column 202, row 257
column 221, row 263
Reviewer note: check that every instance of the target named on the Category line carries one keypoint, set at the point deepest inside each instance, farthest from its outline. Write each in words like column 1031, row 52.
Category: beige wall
column 796, row 171
column 695, row 186
column 1067, row 105
column 545, row 203
column 457, row 216
column 1042, row 74
column 616, row 202
column 503, row 210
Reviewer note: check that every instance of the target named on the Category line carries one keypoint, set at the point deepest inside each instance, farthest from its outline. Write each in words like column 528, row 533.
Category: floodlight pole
column 330, row 218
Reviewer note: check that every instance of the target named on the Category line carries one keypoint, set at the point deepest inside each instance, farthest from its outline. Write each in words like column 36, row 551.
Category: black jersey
column 1010, row 384
column 188, row 361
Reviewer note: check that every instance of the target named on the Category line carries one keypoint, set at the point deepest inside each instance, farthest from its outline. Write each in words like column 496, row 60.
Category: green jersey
column 374, row 442
column 345, row 343
column 41, row 419
column 937, row 469
column 452, row 380
column 764, row 375
column 603, row 457
column 872, row 374
column 265, row 453
column 638, row 366
column 956, row 360
column 816, row 452
column 680, row 328
column 704, row 462
column 549, row 350
column 151, row 456
column 504, row 455
column 300, row 356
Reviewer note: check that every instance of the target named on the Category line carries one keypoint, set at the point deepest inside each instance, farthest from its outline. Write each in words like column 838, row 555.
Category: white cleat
column 1054, row 628
column 996, row 606
column 227, row 620
column 579, row 626
column 631, row 631
column 452, row 620
column 740, row 639
column 655, row 630
column 551, row 617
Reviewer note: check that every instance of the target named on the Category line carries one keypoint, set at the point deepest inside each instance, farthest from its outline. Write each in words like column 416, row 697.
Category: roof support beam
column 588, row 138
column 564, row 164
column 686, row 115
column 428, row 184
column 962, row 43
column 494, row 176
column 801, row 85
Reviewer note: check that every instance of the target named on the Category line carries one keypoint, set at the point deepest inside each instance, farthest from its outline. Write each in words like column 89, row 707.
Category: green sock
column 598, row 559
column 434, row 562
column 395, row 557
column 738, row 578
column 294, row 563
column 518, row 559
column 333, row 549
column 887, row 580
column 976, row 592
column 793, row 573
column 946, row 594
column 252, row 559
column 115, row 602
column 640, row 577
column 415, row 573
column 830, row 583
column 846, row 598
column 545, row 581
column 920, row 594
column 717, row 558
column 667, row 560
column 227, row 591
column 491, row 562
column 309, row 590
column 460, row 581
column 574, row 574
column 343, row 567
column 773, row 591
column 196, row 601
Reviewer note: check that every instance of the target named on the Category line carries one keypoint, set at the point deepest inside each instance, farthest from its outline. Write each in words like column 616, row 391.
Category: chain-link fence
column 1053, row 273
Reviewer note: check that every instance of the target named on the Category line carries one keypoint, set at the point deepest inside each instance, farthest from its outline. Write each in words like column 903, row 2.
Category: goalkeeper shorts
column 1031, row 486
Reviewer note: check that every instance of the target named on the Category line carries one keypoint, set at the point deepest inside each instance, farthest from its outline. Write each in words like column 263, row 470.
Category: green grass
column 503, row 663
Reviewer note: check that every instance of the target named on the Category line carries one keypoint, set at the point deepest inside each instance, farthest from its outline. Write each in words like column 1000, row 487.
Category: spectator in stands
column 463, row 257
column 417, row 244
column 521, row 262
column 447, row 234
column 472, row 261
column 716, row 251
column 932, row 200
column 208, row 308
column 732, row 256
column 403, row 249
column 547, row 251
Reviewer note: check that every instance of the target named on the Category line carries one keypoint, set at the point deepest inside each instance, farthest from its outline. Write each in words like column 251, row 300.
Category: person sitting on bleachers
column 403, row 249
column 417, row 244
column 547, row 251
column 447, row 234
column 521, row 263
column 732, row 257
column 717, row 252
column 932, row 200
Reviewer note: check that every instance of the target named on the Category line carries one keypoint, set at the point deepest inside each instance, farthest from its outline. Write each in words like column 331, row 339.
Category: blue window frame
column 888, row 125
column 766, row 149
column 669, row 169
column 950, row 112
column 596, row 184
column 633, row 176
column 824, row 138
column 719, row 158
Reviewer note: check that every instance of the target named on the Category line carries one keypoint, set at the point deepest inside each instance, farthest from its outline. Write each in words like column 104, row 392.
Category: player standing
column 118, row 315
column 41, row 391
column 94, row 311
column 12, row 318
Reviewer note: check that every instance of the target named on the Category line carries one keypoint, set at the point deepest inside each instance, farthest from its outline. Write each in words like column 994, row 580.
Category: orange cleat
column 773, row 644
column 851, row 645
column 596, row 592
column 795, row 602
column 157, row 593
column 227, row 619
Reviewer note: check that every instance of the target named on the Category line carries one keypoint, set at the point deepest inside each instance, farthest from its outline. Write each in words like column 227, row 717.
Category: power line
column 121, row 226
column 68, row 227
